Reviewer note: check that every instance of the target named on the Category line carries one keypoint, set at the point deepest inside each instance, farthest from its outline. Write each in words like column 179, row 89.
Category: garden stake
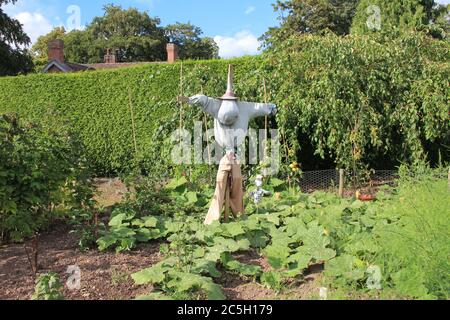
column 181, row 102
column 32, row 255
column 449, row 178
column 206, row 128
column 266, row 117
column 133, row 127
column 341, row 182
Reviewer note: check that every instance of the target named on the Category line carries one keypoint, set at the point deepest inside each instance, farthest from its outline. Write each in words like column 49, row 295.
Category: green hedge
column 97, row 103
column 397, row 93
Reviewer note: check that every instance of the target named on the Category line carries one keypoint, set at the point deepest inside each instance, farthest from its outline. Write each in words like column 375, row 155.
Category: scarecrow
column 231, row 120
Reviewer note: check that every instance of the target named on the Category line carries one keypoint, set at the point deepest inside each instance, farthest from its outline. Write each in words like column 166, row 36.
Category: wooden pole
column 181, row 94
column 449, row 178
column 133, row 126
column 227, row 198
column 266, row 121
column 341, row 182
column 206, row 128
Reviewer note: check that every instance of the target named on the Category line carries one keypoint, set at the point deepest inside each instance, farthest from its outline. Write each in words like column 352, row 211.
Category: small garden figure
column 259, row 193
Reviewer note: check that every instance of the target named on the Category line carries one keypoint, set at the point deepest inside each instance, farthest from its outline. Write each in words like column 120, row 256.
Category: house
column 57, row 64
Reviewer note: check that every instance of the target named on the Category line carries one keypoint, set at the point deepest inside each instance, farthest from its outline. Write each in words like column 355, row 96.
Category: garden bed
column 106, row 275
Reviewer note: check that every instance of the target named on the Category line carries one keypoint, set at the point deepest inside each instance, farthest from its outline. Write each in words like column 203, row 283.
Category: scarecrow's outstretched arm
column 209, row 105
column 256, row 110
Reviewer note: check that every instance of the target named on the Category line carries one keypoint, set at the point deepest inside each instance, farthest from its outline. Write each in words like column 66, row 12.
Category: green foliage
column 43, row 175
column 130, row 34
column 97, row 105
column 417, row 256
column 396, row 246
column 191, row 44
column 397, row 17
column 350, row 101
column 48, row 287
column 39, row 49
column 311, row 17
column 363, row 101
column 14, row 58
column 152, row 214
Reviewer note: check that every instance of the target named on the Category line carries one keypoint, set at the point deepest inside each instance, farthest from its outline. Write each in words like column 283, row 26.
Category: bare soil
column 106, row 275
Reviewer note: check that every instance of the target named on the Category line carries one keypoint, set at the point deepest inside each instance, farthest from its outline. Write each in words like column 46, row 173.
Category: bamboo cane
column 207, row 135
column 266, row 119
column 133, row 126
column 181, row 102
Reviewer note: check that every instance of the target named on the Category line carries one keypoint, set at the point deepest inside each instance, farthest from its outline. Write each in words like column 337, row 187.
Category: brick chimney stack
column 172, row 52
column 56, row 50
column 109, row 58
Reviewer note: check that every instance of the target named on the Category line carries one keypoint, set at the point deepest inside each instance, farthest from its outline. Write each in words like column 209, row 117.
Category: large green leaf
column 213, row 291
column 106, row 241
column 118, row 220
column 191, row 197
column 277, row 255
column 176, row 184
column 233, row 229
column 244, row 269
column 153, row 275
column 345, row 266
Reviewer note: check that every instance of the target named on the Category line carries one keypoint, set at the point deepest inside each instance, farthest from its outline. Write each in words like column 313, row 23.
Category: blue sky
column 234, row 24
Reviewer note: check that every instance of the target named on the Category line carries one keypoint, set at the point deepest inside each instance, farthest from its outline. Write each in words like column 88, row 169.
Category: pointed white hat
column 229, row 95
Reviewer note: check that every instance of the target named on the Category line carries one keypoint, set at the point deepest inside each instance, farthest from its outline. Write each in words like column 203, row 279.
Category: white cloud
column 241, row 44
column 250, row 10
column 34, row 24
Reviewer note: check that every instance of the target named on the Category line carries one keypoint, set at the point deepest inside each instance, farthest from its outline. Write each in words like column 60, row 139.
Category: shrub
column 42, row 172
column 363, row 101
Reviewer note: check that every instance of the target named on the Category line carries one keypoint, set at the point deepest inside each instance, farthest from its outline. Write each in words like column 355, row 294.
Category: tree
column 82, row 47
column 132, row 34
column 40, row 51
column 192, row 45
column 399, row 16
column 312, row 17
column 14, row 57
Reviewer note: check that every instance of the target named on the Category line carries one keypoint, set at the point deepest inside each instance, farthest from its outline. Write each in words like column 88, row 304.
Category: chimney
column 109, row 58
column 56, row 50
column 172, row 52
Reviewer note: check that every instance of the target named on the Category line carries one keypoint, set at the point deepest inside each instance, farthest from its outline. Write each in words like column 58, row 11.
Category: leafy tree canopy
column 133, row 36
column 14, row 58
column 192, row 45
column 400, row 16
column 312, row 17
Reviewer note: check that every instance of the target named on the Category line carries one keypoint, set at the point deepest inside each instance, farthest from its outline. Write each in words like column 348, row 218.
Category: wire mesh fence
column 329, row 179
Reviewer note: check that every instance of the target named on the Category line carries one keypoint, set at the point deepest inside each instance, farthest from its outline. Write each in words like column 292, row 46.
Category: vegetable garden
column 353, row 102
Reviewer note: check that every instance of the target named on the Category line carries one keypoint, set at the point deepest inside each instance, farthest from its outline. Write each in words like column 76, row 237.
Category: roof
column 99, row 66
column 66, row 66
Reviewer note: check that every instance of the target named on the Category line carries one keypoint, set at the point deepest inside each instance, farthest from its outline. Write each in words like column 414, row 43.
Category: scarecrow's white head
column 229, row 111
column 259, row 181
